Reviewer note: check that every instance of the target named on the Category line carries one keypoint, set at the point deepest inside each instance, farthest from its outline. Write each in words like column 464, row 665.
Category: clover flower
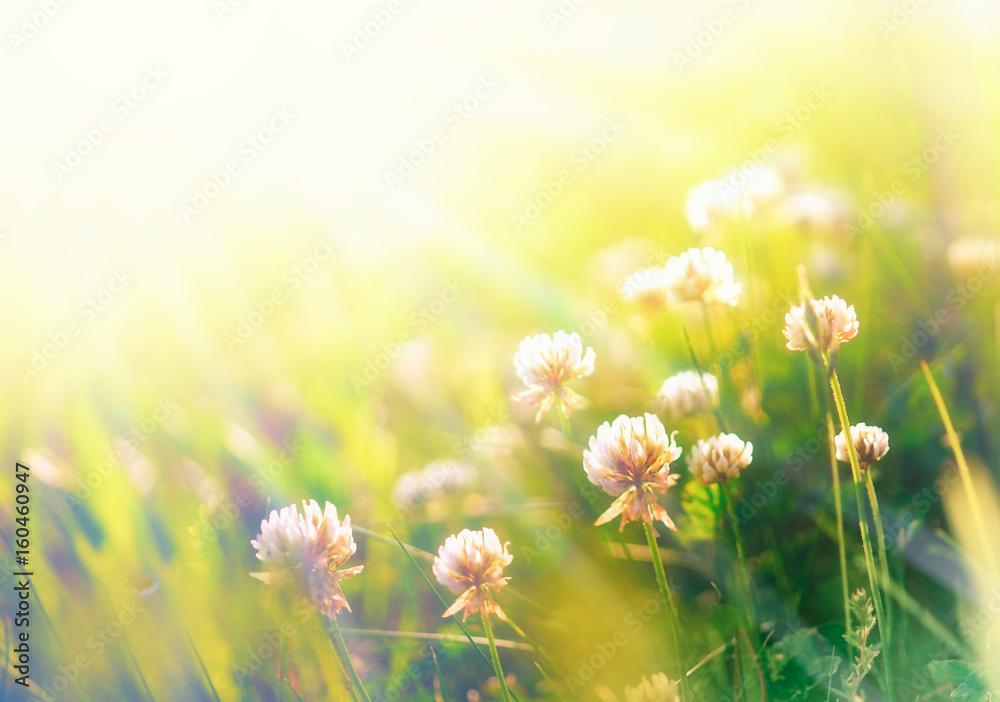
column 630, row 459
column 546, row 363
column 739, row 193
column 702, row 275
column 688, row 393
column 711, row 203
column 307, row 550
column 815, row 210
column 437, row 479
column 719, row 458
column 835, row 323
column 649, row 285
column 974, row 256
column 870, row 443
column 762, row 186
column 471, row 565
column 655, row 688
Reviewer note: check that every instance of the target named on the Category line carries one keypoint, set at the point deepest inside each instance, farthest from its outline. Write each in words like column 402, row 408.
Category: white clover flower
column 836, row 323
column 308, row 550
column 870, row 443
column 471, row 565
column 711, row 203
column 437, row 479
column 649, row 285
column 814, row 210
column 974, row 256
column 763, row 186
column 688, row 393
column 719, row 458
column 702, row 275
column 630, row 458
column 546, row 363
column 655, row 688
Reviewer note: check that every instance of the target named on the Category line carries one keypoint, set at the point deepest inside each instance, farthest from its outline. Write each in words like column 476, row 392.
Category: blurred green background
column 395, row 349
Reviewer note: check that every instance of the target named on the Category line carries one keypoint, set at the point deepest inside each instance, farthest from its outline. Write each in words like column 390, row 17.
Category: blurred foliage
column 157, row 443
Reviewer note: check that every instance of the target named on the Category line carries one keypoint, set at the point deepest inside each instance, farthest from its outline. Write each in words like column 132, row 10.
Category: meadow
column 667, row 214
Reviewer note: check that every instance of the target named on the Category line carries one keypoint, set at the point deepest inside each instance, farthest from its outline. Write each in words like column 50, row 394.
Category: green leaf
column 952, row 671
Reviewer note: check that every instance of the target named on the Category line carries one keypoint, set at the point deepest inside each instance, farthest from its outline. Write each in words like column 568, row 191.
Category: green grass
column 163, row 539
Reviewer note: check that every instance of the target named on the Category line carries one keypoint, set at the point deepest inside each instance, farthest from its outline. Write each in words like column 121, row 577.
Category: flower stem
column 668, row 599
column 845, row 423
column 838, row 505
column 748, row 626
column 882, row 552
column 357, row 687
column 708, row 332
column 746, row 585
column 563, row 421
column 701, row 377
column 504, row 693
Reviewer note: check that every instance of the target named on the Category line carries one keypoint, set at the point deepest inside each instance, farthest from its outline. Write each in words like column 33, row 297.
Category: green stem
column 842, row 549
column 701, row 378
column 751, row 306
column 357, row 687
column 711, row 340
column 882, row 552
column 746, row 583
column 845, row 423
column 749, row 624
column 504, row 693
column 668, row 599
column 563, row 421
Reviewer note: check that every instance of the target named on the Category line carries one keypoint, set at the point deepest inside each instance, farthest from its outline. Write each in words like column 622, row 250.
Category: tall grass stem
column 668, row 600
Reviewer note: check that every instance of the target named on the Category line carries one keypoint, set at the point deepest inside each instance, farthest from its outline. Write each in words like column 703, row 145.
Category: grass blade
column 963, row 468
column 201, row 663
column 439, row 676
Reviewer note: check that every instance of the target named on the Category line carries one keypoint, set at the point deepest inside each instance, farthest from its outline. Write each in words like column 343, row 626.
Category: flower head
column 471, row 565
column 688, row 393
column 870, row 443
column 437, row 480
column 702, row 275
column 814, row 209
column 719, row 458
column 308, row 550
column 655, row 688
column 711, row 203
column 648, row 285
column 974, row 256
column 762, row 186
column 630, row 458
column 835, row 323
column 739, row 193
column 546, row 363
